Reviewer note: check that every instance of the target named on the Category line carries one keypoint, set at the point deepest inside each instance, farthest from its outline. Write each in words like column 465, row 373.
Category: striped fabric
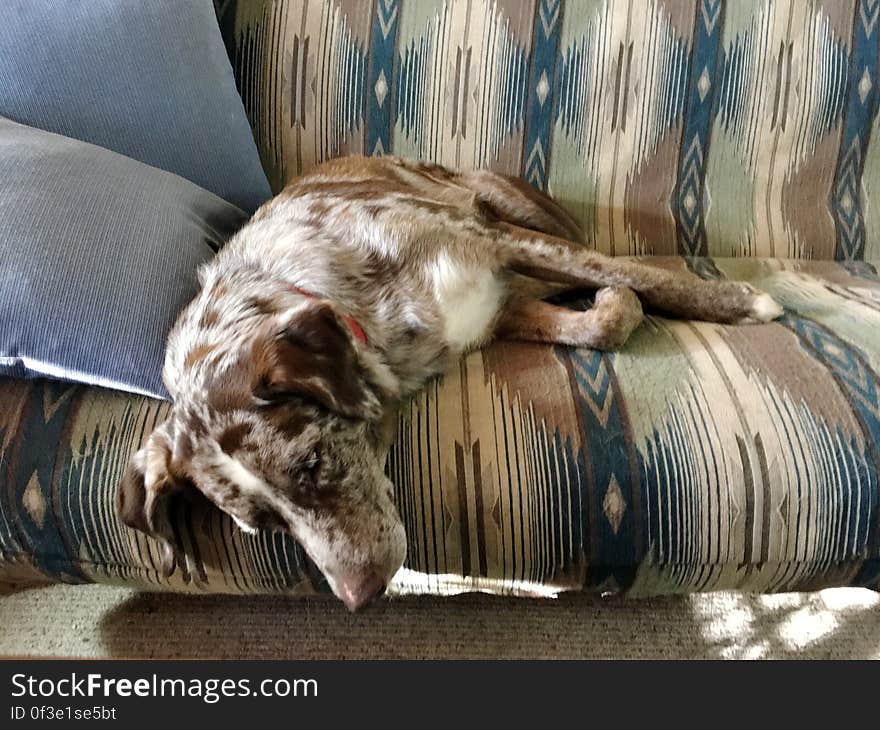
column 700, row 457
column 98, row 255
column 692, row 127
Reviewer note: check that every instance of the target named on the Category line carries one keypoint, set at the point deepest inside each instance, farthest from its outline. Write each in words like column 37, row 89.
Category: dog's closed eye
column 313, row 463
column 307, row 469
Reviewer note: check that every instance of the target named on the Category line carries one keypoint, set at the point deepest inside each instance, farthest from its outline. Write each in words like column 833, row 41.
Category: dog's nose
column 358, row 592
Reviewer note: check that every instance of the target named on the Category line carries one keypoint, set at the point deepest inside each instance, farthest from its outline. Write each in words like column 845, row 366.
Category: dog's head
column 283, row 425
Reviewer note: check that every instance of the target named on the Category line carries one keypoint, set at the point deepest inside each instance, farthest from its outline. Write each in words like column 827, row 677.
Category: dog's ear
column 310, row 353
column 146, row 493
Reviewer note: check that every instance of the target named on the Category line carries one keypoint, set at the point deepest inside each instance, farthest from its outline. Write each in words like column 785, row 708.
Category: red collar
column 355, row 328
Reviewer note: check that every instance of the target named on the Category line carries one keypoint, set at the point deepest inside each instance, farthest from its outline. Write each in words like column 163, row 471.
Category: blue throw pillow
column 148, row 79
column 98, row 255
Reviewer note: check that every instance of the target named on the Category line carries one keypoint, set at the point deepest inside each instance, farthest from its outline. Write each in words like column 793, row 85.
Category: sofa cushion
column 150, row 80
column 98, row 254
column 700, row 457
column 663, row 128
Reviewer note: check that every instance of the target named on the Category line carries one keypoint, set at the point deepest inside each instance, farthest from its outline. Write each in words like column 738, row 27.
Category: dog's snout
column 357, row 592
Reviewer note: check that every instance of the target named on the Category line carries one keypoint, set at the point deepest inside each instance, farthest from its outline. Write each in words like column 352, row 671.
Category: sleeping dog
column 342, row 297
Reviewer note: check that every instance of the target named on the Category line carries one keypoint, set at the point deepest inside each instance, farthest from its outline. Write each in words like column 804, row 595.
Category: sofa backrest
column 695, row 127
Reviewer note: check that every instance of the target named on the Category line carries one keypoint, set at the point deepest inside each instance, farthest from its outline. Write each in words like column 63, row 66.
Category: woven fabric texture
column 690, row 127
column 98, row 255
column 699, row 457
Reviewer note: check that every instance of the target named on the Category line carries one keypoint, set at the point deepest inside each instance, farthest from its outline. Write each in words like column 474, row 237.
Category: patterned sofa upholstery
column 735, row 139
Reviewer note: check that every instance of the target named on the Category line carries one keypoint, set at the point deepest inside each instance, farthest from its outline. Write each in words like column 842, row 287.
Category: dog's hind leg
column 514, row 201
column 550, row 258
column 606, row 326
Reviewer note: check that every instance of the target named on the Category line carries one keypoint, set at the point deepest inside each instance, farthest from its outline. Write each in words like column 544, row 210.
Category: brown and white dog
column 342, row 297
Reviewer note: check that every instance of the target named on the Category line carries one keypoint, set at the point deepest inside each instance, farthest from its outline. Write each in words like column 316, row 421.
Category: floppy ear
column 310, row 353
column 145, row 496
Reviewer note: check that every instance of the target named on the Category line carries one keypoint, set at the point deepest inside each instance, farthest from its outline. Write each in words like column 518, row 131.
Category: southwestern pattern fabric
column 691, row 127
column 700, row 457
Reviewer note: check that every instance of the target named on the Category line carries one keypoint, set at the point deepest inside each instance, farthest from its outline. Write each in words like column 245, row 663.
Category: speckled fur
column 283, row 418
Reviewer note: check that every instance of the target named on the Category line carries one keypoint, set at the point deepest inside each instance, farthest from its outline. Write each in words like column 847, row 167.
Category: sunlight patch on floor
column 806, row 625
column 752, row 627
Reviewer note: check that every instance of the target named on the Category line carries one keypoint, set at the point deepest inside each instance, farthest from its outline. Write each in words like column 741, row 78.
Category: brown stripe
column 481, row 519
column 461, row 481
column 765, row 485
column 749, row 483
column 294, row 112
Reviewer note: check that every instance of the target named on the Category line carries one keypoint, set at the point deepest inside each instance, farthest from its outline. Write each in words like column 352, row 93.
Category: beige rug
column 102, row 621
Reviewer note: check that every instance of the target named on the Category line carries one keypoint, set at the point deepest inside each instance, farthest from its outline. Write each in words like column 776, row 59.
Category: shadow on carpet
column 478, row 626
column 104, row 621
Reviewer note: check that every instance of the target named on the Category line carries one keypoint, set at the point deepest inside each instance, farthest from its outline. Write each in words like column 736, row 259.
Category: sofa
column 733, row 140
